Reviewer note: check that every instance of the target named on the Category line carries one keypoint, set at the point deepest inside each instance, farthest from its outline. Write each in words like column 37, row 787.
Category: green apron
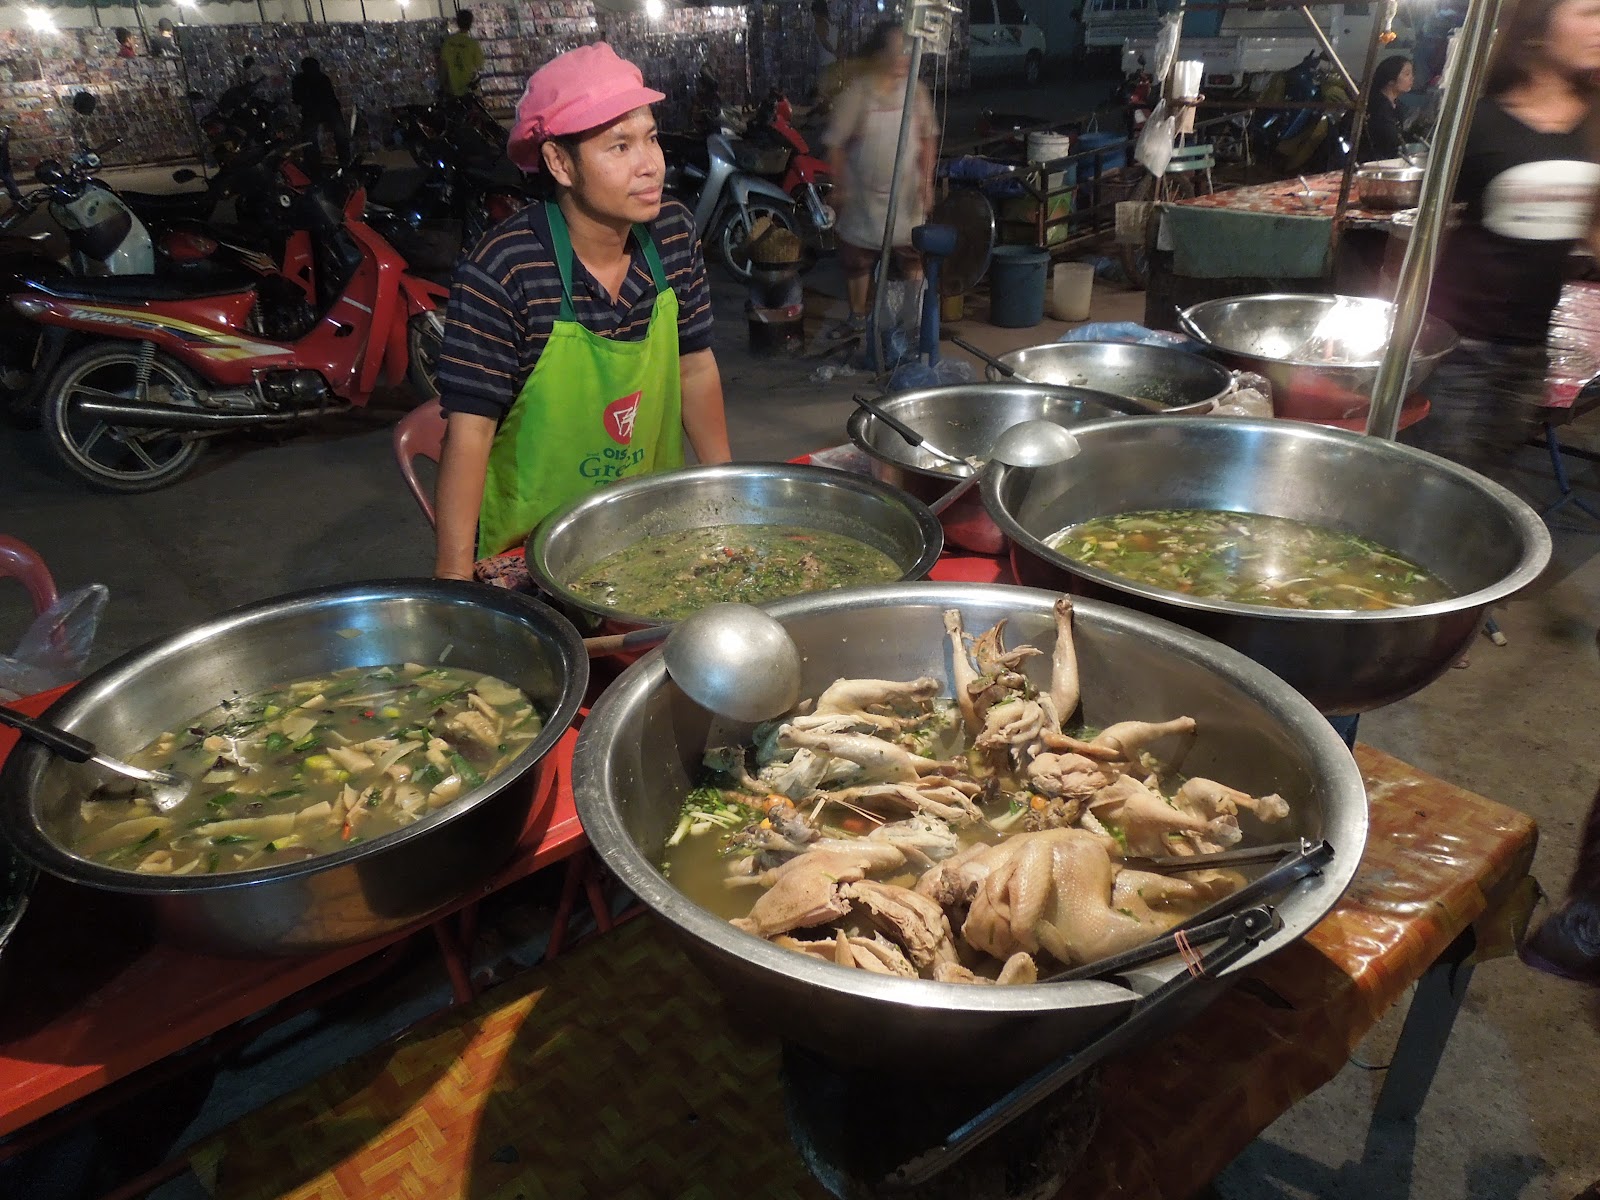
column 595, row 410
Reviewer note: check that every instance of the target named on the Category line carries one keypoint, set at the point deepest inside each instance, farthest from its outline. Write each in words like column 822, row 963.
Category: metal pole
column 1357, row 124
column 895, row 183
column 1433, row 209
column 1327, row 47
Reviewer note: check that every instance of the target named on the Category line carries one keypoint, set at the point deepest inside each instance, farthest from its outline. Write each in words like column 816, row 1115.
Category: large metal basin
column 640, row 749
column 1321, row 353
column 339, row 898
column 965, row 419
column 1157, row 375
column 1479, row 538
column 580, row 535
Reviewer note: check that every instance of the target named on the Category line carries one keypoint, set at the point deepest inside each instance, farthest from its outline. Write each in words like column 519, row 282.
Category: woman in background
column 862, row 142
column 1529, row 180
column 1383, row 135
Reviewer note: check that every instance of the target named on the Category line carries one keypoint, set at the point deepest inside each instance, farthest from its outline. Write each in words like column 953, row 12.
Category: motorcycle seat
column 170, row 205
column 135, row 288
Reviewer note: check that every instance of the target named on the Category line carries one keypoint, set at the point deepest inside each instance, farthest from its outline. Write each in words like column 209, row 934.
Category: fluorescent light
column 40, row 21
column 404, row 4
column 655, row 9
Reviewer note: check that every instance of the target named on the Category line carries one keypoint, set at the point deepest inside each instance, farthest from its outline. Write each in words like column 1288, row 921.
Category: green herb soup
column 1249, row 558
column 311, row 767
column 672, row 575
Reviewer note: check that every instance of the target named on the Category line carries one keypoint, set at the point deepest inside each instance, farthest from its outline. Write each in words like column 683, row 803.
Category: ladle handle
column 894, row 423
column 622, row 643
column 61, row 743
column 1191, row 328
column 1008, row 372
column 961, row 489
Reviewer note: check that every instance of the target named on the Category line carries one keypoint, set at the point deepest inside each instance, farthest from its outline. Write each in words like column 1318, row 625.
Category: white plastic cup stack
column 1071, row 289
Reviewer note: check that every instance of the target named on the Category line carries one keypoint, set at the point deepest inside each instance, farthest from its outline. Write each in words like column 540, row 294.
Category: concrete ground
column 1512, row 1114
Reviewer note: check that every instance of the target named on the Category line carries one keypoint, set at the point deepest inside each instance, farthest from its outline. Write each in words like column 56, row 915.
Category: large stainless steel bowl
column 1157, row 375
column 640, row 750
column 965, row 419
column 356, row 893
column 1382, row 186
column 1479, row 538
column 597, row 526
column 1321, row 353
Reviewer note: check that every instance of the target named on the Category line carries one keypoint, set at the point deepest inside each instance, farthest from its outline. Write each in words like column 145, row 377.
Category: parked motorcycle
column 459, row 183
column 1302, row 139
column 142, row 372
column 722, row 181
column 807, row 177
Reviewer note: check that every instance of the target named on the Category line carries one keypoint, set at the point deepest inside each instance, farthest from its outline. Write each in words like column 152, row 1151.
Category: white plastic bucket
column 1071, row 290
column 1047, row 147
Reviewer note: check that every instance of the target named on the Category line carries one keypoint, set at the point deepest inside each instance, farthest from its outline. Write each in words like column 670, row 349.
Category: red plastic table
column 102, row 1002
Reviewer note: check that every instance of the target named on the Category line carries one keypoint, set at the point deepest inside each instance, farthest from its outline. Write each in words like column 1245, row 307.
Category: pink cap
column 579, row 90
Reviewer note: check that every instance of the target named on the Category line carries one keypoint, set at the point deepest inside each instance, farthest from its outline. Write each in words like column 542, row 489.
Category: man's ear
column 558, row 163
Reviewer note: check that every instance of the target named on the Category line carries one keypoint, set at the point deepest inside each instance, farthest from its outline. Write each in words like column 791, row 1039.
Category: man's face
column 617, row 171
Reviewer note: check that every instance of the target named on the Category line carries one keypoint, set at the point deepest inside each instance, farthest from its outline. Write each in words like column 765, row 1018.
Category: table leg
column 570, row 883
column 1432, row 1016
column 594, row 886
column 456, row 961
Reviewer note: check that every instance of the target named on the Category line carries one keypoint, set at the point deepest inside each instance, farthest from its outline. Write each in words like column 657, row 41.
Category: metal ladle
column 167, row 789
column 731, row 659
column 912, row 437
column 1036, row 443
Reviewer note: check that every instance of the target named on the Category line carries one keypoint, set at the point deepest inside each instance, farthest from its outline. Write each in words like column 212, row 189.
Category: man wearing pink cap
column 577, row 347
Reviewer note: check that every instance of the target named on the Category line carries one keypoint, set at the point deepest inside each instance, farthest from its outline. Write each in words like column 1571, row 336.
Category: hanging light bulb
column 40, row 21
column 655, row 9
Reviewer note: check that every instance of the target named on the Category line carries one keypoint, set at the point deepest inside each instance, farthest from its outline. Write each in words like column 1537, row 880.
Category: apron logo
column 619, row 417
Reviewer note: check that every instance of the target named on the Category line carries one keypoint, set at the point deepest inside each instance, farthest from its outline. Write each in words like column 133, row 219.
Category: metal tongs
column 1238, row 921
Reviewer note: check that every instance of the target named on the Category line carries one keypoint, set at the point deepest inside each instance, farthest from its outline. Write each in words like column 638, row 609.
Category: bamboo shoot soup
column 311, row 767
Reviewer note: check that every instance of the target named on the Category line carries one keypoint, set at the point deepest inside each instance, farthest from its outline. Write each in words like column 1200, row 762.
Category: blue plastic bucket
column 1110, row 160
column 1017, row 278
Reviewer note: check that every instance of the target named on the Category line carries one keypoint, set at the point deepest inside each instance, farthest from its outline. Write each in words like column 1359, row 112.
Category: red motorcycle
column 806, row 177
column 141, row 372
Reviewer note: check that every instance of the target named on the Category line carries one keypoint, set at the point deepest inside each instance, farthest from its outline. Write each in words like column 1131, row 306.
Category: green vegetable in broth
column 311, row 767
column 674, row 574
column 1249, row 558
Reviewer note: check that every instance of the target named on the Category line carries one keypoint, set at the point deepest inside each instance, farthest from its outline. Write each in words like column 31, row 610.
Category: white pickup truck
column 1260, row 42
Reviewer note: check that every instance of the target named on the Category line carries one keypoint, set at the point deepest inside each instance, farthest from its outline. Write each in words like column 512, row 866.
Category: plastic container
column 1071, row 291
column 1017, row 278
column 1110, row 160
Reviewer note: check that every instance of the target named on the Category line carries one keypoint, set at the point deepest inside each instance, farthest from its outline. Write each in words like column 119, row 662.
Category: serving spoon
column 911, row 436
column 731, row 659
column 167, row 788
column 1036, row 443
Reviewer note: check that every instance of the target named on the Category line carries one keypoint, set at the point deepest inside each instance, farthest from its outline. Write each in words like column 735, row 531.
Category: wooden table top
column 615, row 1073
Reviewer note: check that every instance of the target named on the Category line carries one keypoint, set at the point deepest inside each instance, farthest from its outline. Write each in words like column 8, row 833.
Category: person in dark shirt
column 125, row 46
column 313, row 94
column 1383, row 135
column 577, row 343
column 1529, row 181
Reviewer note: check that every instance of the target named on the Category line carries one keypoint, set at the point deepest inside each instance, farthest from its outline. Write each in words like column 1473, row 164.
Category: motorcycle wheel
column 424, row 339
column 111, row 457
column 734, row 232
column 1136, row 257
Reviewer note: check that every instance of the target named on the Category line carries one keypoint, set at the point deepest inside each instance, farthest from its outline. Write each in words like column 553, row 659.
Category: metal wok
column 353, row 894
column 599, row 525
column 1159, row 375
column 965, row 419
column 1479, row 538
column 640, row 749
column 1321, row 353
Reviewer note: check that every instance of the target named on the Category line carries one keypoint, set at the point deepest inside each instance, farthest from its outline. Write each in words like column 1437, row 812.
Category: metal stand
column 1558, row 468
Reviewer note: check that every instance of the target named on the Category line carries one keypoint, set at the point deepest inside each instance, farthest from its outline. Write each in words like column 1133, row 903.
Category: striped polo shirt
column 505, row 299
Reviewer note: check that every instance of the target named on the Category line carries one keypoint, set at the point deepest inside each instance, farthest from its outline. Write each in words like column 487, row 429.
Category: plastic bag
column 1130, row 332
column 56, row 646
column 910, row 376
column 1250, row 396
column 1154, row 149
column 1167, row 45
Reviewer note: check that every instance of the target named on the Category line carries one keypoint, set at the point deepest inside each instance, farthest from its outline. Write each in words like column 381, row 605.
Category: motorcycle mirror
column 184, row 175
column 51, row 174
column 83, row 103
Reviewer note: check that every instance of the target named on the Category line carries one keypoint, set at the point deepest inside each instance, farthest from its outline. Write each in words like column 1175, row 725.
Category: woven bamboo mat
column 613, row 1073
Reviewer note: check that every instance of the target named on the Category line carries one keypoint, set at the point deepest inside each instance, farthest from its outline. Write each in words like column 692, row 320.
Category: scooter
column 141, row 372
column 807, row 178
column 722, row 185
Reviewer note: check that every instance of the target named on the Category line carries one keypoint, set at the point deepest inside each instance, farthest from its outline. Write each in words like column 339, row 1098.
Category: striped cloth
column 505, row 298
